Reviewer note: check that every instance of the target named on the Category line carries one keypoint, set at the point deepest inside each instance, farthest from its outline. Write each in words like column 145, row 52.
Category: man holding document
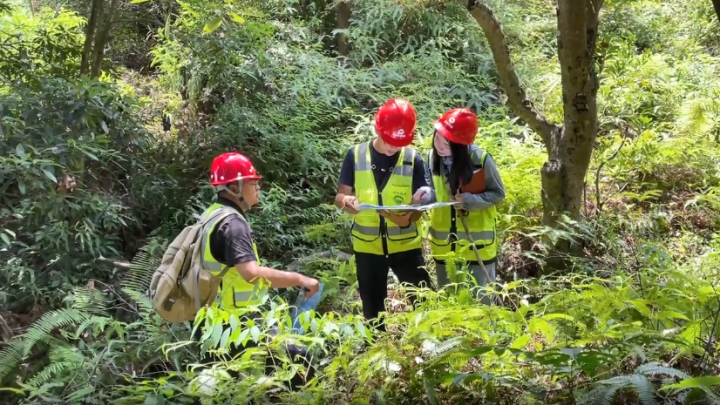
column 384, row 172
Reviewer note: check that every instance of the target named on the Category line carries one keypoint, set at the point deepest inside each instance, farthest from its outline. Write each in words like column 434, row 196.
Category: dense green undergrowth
column 90, row 170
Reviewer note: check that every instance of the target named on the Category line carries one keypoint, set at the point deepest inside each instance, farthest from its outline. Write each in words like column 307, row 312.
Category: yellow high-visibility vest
column 235, row 292
column 371, row 232
column 447, row 233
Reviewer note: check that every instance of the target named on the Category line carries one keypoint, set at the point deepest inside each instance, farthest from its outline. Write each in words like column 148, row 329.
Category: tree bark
column 344, row 12
column 95, row 14
column 517, row 99
column 101, row 39
column 569, row 146
column 716, row 4
column 563, row 176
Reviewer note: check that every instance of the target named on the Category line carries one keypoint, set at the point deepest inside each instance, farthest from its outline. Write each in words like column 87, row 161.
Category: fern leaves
column 142, row 268
column 20, row 347
column 639, row 382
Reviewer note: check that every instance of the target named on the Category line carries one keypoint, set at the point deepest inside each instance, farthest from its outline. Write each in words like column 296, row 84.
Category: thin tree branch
column 120, row 264
column 517, row 98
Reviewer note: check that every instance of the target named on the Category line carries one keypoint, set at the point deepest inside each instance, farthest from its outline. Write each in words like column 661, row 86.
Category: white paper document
column 425, row 207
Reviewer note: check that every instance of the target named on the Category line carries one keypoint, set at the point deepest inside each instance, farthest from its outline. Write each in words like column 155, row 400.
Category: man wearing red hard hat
column 229, row 249
column 385, row 171
column 459, row 170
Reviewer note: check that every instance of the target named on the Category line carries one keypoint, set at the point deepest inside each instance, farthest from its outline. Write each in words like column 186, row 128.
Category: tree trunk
column 95, row 14
column 716, row 4
column 569, row 146
column 343, row 22
column 101, row 39
column 563, row 176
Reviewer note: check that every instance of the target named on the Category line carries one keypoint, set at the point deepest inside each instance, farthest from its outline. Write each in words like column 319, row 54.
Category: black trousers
column 298, row 354
column 372, row 274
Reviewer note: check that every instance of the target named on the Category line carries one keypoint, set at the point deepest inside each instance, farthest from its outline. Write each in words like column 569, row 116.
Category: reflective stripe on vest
column 235, row 291
column 445, row 220
column 366, row 230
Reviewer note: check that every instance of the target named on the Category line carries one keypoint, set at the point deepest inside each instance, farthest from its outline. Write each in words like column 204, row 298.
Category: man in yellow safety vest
column 228, row 247
column 385, row 171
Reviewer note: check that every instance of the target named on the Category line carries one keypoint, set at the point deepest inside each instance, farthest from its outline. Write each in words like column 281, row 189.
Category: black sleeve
column 418, row 173
column 347, row 172
column 236, row 238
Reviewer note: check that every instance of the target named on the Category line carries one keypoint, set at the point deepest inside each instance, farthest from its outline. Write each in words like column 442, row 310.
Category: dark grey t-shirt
column 382, row 166
column 231, row 242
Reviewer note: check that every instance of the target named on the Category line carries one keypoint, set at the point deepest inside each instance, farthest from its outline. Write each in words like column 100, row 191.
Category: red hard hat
column 395, row 123
column 458, row 125
column 230, row 167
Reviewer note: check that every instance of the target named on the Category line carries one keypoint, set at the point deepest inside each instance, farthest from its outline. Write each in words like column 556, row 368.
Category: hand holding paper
column 399, row 220
column 425, row 207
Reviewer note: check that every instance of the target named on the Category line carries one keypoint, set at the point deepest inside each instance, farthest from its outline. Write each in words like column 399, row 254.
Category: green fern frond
column 48, row 372
column 655, row 368
column 49, row 322
column 89, row 300
column 644, row 389
column 638, row 383
column 81, row 395
column 141, row 299
column 142, row 268
column 11, row 356
column 21, row 346
column 699, row 116
column 601, row 394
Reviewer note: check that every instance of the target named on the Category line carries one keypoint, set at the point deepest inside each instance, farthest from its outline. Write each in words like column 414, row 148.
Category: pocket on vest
column 397, row 234
column 365, row 233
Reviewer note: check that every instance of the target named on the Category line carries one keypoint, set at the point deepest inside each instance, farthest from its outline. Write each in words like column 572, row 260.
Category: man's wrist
column 301, row 280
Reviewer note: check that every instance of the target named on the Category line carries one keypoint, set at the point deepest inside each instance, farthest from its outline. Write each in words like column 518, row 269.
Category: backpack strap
column 213, row 218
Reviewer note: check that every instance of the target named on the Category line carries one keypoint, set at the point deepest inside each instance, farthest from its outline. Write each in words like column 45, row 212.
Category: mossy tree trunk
column 569, row 144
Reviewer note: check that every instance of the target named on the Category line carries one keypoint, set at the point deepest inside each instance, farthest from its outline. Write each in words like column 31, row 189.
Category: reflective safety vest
column 371, row 232
column 447, row 233
column 235, row 291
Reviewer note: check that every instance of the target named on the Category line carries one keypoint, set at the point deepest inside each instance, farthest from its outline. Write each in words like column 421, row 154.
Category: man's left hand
column 399, row 220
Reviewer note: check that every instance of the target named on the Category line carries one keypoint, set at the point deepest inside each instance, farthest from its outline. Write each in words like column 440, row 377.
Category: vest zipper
column 453, row 228
column 383, row 225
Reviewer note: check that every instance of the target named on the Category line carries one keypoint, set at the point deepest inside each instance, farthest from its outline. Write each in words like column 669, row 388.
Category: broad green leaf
column 237, row 18
column 212, row 25
column 20, row 150
column 233, row 322
column 255, row 333
column 696, row 382
column 5, row 238
column 216, row 334
column 521, row 342
column 672, row 315
column 241, row 339
column 224, row 338
column 154, row 399
column 49, row 175
column 21, row 186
